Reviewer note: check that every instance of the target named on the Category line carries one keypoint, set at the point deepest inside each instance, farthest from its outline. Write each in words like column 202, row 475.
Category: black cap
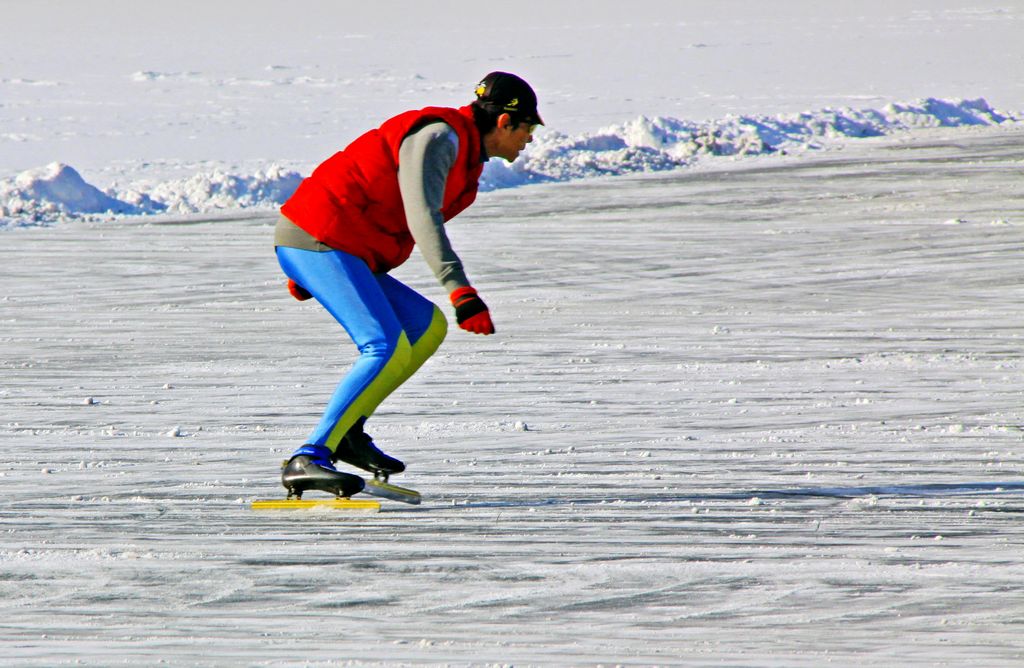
column 501, row 91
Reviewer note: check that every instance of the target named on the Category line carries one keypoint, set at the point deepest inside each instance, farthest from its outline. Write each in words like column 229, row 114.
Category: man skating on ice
column 357, row 217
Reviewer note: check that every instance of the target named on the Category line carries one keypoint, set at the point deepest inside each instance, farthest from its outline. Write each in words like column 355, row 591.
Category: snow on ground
column 195, row 106
column 766, row 412
column 58, row 192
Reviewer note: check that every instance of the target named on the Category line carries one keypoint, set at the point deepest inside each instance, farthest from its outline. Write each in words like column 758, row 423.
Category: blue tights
column 395, row 329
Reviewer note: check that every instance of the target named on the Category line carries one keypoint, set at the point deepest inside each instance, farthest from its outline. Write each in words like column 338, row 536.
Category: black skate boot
column 310, row 468
column 357, row 449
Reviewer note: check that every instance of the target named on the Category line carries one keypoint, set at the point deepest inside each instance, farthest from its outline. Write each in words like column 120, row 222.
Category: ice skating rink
column 762, row 413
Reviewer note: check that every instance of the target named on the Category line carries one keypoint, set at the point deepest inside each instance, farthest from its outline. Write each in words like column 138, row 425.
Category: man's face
column 509, row 141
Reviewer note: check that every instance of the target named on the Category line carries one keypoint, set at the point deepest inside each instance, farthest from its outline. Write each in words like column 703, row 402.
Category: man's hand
column 471, row 311
column 298, row 291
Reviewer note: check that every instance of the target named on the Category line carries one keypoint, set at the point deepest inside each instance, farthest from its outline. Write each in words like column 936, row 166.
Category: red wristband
column 458, row 294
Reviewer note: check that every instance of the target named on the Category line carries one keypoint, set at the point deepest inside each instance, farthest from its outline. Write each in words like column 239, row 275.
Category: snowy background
column 755, row 399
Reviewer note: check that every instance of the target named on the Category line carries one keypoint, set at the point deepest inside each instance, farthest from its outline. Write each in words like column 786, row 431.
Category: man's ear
column 504, row 121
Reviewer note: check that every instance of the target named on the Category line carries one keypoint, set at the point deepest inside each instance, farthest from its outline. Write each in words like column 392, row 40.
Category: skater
column 357, row 217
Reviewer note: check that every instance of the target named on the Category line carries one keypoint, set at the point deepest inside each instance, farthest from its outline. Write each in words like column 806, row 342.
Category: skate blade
column 394, row 492
column 362, row 505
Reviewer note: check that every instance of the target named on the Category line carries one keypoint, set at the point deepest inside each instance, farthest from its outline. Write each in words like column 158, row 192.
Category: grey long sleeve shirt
column 425, row 158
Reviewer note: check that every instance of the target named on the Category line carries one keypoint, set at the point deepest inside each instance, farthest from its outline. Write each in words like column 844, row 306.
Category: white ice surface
column 760, row 411
column 760, row 414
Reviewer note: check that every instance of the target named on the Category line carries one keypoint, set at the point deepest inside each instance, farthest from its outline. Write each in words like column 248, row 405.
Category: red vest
column 352, row 201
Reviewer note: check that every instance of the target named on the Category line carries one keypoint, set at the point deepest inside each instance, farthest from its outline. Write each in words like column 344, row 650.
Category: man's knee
column 431, row 339
column 394, row 351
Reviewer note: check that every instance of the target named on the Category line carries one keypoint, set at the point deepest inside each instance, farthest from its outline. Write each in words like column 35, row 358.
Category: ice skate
column 310, row 467
column 357, row 449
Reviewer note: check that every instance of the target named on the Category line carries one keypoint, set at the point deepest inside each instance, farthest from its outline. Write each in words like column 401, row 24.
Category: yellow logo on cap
column 481, row 89
column 513, row 104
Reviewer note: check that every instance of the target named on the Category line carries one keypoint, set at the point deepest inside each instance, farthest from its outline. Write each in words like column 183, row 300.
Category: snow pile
column 218, row 190
column 58, row 192
column 654, row 144
column 51, row 192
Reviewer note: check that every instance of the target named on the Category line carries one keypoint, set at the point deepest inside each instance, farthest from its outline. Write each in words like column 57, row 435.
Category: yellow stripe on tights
column 404, row 362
